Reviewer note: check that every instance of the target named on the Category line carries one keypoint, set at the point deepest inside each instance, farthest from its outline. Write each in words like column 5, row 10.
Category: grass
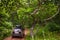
column 44, row 35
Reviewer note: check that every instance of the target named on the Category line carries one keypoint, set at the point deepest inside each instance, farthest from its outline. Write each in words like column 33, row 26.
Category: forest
column 41, row 17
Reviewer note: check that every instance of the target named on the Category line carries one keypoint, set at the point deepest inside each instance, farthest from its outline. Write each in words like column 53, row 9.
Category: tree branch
column 35, row 21
column 36, row 9
column 51, row 16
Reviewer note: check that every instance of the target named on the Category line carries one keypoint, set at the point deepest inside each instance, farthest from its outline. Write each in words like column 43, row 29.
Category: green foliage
column 14, row 12
column 52, row 27
column 46, row 11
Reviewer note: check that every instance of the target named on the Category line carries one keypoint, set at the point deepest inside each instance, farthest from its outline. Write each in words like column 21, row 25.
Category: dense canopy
column 29, row 13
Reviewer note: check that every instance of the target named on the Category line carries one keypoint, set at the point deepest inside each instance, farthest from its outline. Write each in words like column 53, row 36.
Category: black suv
column 18, row 32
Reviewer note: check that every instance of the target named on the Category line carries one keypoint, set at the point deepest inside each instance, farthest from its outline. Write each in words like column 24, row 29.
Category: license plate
column 16, row 32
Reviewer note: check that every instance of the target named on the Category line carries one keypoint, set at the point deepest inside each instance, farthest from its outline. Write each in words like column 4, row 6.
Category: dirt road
column 10, row 38
column 26, row 32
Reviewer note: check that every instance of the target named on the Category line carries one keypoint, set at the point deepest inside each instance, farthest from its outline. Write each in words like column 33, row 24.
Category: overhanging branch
column 51, row 16
column 36, row 9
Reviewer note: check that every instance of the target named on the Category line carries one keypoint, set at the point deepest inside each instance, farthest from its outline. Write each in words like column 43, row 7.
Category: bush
column 52, row 27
